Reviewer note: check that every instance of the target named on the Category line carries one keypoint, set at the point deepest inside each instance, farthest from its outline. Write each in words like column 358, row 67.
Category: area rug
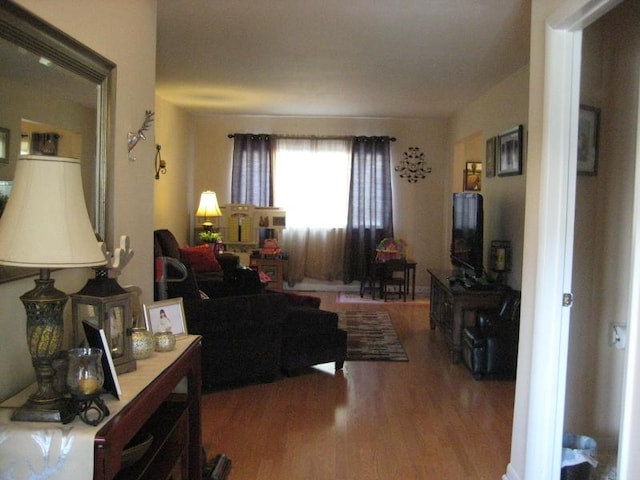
column 354, row 297
column 371, row 337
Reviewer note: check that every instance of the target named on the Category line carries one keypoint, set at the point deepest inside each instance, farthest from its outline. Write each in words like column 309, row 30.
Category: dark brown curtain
column 251, row 175
column 370, row 209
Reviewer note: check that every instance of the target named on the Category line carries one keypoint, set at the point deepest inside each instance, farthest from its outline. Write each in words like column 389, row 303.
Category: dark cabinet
column 453, row 307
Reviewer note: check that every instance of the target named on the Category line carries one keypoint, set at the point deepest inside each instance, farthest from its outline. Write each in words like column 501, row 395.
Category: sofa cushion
column 201, row 258
column 168, row 243
column 303, row 321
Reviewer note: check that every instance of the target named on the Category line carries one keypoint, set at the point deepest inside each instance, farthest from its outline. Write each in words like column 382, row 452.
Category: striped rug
column 371, row 337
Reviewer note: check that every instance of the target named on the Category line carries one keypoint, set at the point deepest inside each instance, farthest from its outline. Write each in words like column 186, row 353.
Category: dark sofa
column 257, row 336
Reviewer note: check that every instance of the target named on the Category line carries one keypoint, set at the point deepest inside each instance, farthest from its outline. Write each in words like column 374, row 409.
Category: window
column 311, row 181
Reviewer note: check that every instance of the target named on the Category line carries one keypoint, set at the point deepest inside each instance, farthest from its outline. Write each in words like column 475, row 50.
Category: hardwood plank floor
column 422, row 419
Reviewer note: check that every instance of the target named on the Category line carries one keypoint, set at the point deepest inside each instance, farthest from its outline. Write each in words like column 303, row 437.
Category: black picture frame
column 4, row 145
column 490, row 158
column 510, row 152
column 96, row 338
column 588, row 134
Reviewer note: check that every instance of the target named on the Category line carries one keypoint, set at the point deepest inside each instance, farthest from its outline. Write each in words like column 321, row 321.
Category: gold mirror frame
column 27, row 31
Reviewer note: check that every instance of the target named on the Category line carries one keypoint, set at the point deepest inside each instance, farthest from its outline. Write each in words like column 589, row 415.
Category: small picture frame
column 166, row 315
column 490, row 158
column 510, row 152
column 588, row 132
column 473, row 177
column 4, row 145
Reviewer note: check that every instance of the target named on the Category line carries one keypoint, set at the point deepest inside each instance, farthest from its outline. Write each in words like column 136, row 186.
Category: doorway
column 603, row 229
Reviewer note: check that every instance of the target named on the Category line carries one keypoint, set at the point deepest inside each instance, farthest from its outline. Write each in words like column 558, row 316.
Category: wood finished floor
column 423, row 419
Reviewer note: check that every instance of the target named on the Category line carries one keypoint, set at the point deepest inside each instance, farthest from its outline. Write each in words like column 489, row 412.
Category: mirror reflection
column 55, row 96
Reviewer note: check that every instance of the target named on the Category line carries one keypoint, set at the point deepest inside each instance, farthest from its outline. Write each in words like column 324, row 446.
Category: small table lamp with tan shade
column 45, row 225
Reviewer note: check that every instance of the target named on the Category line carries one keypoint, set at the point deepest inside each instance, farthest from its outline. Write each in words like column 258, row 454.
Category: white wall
column 504, row 106
column 108, row 28
column 173, row 191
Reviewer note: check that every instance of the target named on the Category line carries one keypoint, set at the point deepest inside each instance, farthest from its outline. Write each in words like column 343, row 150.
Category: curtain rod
column 311, row 137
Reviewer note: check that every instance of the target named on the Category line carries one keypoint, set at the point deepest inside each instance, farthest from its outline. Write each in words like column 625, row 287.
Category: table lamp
column 45, row 225
column 208, row 208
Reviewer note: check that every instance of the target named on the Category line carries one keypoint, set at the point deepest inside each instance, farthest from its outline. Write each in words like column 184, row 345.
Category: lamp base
column 33, row 411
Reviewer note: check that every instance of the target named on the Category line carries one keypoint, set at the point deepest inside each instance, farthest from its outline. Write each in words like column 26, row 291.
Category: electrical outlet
column 618, row 335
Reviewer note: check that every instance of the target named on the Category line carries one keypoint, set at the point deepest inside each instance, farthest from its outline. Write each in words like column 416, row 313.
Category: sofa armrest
column 222, row 314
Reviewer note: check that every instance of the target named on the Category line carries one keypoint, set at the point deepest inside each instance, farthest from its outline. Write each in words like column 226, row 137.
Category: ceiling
column 362, row 58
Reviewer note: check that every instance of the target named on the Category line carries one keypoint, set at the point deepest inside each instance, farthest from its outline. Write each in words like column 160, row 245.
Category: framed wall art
column 4, row 145
column 490, row 158
column 510, row 152
column 473, row 177
column 588, row 132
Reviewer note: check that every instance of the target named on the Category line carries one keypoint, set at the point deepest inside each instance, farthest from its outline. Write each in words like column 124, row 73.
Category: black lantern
column 106, row 305
column 501, row 258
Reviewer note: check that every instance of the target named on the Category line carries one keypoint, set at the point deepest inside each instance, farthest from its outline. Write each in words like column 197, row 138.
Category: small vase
column 142, row 340
column 164, row 341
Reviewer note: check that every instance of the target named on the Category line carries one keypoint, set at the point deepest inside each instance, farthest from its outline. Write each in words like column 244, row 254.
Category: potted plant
column 210, row 237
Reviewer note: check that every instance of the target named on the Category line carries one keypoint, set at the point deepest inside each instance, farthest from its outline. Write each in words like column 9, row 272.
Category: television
column 466, row 236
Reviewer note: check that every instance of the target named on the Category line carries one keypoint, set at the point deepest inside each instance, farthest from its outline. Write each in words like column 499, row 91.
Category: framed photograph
column 510, row 152
column 164, row 316
column 4, row 145
column 473, row 177
column 588, row 132
column 490, row 158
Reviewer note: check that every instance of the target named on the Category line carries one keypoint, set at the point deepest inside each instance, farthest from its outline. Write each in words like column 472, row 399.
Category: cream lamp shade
column 45, row 223
column 208, row 205
column 208, row 208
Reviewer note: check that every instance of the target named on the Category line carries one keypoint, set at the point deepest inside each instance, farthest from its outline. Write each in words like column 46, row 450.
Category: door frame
column 539, row 410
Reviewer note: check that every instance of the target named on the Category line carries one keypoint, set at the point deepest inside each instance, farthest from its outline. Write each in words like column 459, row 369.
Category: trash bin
column 578, row 457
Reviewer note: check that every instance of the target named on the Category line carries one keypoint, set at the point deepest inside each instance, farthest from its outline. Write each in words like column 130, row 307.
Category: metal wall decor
column 412, row 167
column 134, row 137
column 160, row 165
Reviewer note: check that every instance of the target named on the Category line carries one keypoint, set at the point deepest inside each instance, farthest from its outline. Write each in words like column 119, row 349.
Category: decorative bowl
column 136, row 448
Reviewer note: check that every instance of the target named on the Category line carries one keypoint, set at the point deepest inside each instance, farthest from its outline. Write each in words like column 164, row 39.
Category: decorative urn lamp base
column 44, row 306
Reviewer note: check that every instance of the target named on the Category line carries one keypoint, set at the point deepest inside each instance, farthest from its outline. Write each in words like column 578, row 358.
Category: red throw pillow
column 201, row 258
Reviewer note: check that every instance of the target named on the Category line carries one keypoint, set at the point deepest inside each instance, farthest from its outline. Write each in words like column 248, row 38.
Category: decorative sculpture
column 412, row 167
column 134, row 137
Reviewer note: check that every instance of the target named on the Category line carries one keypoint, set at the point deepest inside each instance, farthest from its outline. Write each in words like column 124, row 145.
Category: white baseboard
column 511, row 474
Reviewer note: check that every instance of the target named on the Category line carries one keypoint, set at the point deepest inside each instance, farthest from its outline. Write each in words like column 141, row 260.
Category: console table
column 161, row 397
column 450, row 303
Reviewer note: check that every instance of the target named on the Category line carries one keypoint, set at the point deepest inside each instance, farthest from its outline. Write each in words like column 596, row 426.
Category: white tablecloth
column 53, row 451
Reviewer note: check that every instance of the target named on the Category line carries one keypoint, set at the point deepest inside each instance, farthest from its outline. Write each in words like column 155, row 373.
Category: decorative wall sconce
column 160, row 165
column 134, row 137
column 412, row 167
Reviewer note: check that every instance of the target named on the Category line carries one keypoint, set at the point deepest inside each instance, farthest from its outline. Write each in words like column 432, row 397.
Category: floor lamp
column 45, row 225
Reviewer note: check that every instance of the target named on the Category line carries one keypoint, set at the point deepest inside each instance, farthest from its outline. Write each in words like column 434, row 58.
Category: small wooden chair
column 394, row 279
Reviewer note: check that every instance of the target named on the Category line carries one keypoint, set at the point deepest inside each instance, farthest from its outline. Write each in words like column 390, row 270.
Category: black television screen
column 466, row 237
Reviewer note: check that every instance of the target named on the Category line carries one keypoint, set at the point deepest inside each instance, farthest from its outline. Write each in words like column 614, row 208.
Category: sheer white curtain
column 311, row 182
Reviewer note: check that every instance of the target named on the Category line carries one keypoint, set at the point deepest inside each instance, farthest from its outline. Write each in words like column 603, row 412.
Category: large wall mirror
column 56, row 96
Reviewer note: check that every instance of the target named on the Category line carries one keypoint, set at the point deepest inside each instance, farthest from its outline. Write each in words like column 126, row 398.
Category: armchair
column 225, row 279
column 490, row 347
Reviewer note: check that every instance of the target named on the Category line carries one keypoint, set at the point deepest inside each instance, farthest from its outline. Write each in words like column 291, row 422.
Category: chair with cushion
column 490, row 347
column 217, row 275
column 394, row 278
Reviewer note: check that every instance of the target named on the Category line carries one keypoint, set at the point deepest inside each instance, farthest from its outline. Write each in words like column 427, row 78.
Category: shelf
column 168, row 427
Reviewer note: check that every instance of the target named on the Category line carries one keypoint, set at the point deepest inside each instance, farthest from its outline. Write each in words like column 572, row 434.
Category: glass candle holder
column 85, row 375
column 164, row 341
column 142, row 340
